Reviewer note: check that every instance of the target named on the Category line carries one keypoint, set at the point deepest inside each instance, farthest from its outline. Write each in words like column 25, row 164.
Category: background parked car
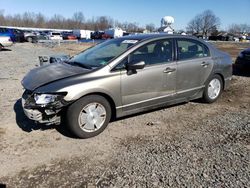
column 7, row 32
column 5, row 41
column 55, row 36
column 16, row 35
column 82, row 33
column 19, row 35
column 68, row 36
column 114, row 32
column 30, row 36
column 97, row 35
column 242, row 62
column 106, row 36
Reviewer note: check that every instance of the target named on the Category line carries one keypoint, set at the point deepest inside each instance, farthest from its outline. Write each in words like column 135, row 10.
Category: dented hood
column 49, row 73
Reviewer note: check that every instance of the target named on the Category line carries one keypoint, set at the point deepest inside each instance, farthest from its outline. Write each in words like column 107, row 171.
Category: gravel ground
column 187, row 145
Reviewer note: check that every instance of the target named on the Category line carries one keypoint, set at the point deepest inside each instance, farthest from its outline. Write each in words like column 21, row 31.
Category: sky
column 139, row 11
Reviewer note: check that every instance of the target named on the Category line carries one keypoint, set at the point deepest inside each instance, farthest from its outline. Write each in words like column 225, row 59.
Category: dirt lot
column 186, row 145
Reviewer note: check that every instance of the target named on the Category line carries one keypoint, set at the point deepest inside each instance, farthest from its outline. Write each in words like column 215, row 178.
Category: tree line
column 204, row 23
column 77, row 21
column 207, row 23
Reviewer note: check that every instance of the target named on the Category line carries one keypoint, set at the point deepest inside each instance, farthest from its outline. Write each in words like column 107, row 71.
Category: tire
column 213, row 89
column 29, row 39
column 88, row 116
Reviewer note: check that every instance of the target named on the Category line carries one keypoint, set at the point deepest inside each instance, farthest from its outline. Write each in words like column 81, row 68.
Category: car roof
column 247, row 50
column 155, row 36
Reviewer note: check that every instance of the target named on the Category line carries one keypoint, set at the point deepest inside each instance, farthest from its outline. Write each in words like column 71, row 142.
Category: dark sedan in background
column 243, row 60
column 125, row 76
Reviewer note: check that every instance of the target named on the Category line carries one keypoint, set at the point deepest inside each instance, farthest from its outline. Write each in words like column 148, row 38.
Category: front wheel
column 88, row 116
column 213, row 89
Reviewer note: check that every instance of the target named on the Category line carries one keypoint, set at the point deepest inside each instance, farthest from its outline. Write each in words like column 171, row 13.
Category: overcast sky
column 140, row 11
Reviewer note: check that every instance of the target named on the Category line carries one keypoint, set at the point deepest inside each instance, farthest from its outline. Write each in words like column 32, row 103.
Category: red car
column 69, row 36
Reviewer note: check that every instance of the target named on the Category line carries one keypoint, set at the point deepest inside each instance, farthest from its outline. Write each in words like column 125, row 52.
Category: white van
column 114, row 32
column 55, row 36
column 82, row 34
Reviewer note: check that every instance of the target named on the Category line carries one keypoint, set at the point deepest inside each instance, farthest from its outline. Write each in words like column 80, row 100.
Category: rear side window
column 191, row 49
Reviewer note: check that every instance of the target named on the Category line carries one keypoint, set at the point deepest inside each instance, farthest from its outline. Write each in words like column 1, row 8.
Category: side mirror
column 133, row 65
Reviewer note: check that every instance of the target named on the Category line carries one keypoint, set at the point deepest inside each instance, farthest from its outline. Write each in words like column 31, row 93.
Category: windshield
column 101, row 54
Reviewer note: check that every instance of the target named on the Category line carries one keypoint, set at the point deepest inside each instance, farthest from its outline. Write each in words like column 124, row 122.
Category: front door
column 154, row 83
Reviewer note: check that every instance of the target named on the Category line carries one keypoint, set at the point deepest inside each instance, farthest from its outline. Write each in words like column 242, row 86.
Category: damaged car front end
column 43, row 107
column 38, row 103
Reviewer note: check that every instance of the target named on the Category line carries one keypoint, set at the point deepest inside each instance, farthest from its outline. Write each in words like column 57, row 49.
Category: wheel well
column 110, row 100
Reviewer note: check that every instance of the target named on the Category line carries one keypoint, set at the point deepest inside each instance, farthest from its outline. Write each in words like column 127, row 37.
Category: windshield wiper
column 79, row 64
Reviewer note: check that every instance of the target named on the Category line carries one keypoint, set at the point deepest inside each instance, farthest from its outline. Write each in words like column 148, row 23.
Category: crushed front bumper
column 32, row 114
column 43, row 114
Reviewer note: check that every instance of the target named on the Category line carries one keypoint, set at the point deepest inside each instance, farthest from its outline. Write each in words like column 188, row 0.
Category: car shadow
column 28, row 125
column 5, row 49
column 151, row 110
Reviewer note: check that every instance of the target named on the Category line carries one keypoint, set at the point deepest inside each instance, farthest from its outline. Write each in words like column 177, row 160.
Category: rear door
column 194, row 65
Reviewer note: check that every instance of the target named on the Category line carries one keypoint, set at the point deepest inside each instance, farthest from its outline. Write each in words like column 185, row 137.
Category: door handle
column 204, row 64
column 168, row 70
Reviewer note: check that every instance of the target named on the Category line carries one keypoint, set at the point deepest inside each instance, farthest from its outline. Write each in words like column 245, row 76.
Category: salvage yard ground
column 187, row 145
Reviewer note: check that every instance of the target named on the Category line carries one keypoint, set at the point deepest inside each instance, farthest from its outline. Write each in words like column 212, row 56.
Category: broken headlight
column 44, row 99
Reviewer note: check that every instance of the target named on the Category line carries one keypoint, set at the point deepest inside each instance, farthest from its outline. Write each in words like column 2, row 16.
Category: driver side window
column 157, row 52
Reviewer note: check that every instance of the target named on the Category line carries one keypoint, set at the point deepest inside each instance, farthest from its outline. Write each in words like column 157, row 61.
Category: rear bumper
column 6, row 44
column 227, row 82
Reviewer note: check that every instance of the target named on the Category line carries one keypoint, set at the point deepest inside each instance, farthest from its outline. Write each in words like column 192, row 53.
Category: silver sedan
column 125, row 76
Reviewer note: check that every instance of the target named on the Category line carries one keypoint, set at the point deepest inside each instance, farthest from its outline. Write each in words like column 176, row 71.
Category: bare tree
column 150, row 27
column 16, row 20
column 40, row 20
column 239, row 28
column 210, row 22
column 28, row 19
column 194, row 26
column 204, row 23
column 104, row 22
column 78, row 20
column 234, row 28
column 57, row 22
column 245, row 28
column 2, row 18
column 131, row 27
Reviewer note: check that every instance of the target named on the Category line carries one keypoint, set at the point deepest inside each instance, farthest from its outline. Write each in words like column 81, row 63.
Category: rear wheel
column 29, row 39
column 88, row 116
column 213, row 89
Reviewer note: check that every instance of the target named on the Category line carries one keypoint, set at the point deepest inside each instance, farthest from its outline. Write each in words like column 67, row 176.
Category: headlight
column 44, row 99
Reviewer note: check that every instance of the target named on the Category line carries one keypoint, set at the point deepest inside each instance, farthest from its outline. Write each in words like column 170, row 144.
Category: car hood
column 246, row 51
column 50, row 73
